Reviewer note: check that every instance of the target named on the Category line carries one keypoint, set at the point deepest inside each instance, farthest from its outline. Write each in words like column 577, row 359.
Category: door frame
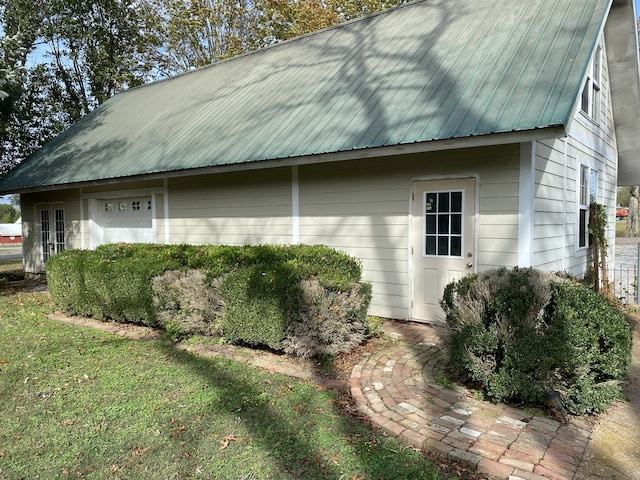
column 51, row 207
column 476, row 178
column 92, row 233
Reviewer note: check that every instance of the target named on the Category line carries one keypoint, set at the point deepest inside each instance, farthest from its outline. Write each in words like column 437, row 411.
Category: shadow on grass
column 289, row 432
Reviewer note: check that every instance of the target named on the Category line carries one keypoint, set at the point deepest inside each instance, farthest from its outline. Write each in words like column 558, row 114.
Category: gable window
column 587, row 195
column 590, row 99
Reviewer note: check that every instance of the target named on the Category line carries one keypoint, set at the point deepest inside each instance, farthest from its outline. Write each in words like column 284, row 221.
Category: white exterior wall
column 241, row 208
column 557, row 180
column 363, row 208
column 29, row 204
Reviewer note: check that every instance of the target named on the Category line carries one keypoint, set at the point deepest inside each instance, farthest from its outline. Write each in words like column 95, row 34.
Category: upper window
column 590, row 100
column 588, row 194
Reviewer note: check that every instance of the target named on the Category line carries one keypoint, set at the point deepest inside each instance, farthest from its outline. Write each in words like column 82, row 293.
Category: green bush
column 66, row 281
column 248, row 294
column 259, row 307
column 330, row 321
column 521, row 334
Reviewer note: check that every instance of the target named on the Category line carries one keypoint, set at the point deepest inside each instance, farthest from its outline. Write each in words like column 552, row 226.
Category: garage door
column 127, row 220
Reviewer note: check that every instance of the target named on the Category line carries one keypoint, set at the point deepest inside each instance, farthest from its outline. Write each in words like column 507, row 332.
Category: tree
column 195, row 33
column 63, row 58
column 87, row 51
column 633, row 223
column 12, row 76
column 622, row 197
column 284, row 19
column 8, row 214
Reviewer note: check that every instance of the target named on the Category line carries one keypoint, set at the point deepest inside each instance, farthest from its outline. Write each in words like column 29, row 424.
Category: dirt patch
column 134, row 332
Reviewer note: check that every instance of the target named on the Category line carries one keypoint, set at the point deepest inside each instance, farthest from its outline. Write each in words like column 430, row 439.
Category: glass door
column 52, row 235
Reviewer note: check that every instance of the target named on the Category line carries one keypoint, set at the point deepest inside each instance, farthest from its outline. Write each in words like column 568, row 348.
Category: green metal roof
column 426, row 71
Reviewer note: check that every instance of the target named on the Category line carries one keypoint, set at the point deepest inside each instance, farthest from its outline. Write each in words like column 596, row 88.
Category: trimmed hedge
column 522, row 333
column 255, row 291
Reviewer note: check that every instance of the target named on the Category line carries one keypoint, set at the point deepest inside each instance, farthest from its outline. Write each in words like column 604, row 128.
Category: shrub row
column 257, row 295
column 522, row 333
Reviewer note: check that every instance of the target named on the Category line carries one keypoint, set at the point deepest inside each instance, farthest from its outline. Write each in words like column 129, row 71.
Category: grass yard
column 11, row 269
column 80, row 403
column 621, row 228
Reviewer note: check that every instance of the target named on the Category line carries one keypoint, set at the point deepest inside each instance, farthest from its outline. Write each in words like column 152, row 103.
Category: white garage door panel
column 126, row 220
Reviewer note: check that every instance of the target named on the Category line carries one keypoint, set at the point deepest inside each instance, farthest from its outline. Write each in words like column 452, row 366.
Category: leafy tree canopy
column 8, row 214
column 62, row 58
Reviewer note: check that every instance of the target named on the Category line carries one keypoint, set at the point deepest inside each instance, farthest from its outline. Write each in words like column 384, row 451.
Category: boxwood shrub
column 255, row 290
column 521, row 334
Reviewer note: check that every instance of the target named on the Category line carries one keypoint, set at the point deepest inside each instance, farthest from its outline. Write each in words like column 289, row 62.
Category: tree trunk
column 633, row 220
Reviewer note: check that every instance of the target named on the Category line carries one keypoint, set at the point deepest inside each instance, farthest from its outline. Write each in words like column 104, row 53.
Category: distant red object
column 10, row 240
column 621, row 212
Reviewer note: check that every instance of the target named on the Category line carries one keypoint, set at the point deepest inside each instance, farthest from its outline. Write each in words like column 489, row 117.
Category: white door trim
column 474, row 242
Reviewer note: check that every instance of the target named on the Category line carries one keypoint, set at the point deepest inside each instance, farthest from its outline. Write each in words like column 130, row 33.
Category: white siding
column 557, row 179
column 362, row 208
column 239, row 208
column 31, row 247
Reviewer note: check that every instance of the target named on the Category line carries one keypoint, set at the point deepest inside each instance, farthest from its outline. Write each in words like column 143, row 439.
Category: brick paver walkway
column 403, row 390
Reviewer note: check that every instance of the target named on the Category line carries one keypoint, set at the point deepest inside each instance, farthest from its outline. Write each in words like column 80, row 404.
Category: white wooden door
column 442, row 241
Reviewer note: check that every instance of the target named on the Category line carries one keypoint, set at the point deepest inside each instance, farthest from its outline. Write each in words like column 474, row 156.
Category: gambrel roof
column 418, row 76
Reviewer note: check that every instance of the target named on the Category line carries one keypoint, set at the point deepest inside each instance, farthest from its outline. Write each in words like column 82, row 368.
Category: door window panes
column 443, row 223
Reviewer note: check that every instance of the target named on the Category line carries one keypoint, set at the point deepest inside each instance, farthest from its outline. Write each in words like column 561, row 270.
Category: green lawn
column 80, row 403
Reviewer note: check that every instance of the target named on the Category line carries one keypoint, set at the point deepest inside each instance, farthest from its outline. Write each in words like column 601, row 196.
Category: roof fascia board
column 624, row 71
column 387, row 151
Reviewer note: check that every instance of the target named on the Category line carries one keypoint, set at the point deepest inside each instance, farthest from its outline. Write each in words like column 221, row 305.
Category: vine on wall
column 599, row 245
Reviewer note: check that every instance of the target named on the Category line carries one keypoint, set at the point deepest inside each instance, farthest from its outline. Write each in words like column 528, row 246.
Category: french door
column 52, row 237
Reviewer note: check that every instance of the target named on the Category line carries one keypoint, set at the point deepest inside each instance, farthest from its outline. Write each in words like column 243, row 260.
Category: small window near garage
column 588, row 194
column 590, row 100
column 135, row 205
column 122, row 206
column 148, row 204
column 108, row 207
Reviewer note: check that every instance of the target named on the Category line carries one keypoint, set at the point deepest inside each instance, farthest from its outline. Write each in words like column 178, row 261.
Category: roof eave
column 624, row 72
column 360, row 154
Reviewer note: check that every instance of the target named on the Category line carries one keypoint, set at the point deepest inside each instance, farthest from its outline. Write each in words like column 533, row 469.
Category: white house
column 431, row 140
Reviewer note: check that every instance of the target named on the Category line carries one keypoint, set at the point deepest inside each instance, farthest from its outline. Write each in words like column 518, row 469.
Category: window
column 135, row 205
column 590, row 100
column 443, row 224
column 588, row 193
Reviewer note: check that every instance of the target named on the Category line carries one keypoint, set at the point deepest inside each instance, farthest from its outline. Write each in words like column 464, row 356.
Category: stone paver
column 497, row 440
